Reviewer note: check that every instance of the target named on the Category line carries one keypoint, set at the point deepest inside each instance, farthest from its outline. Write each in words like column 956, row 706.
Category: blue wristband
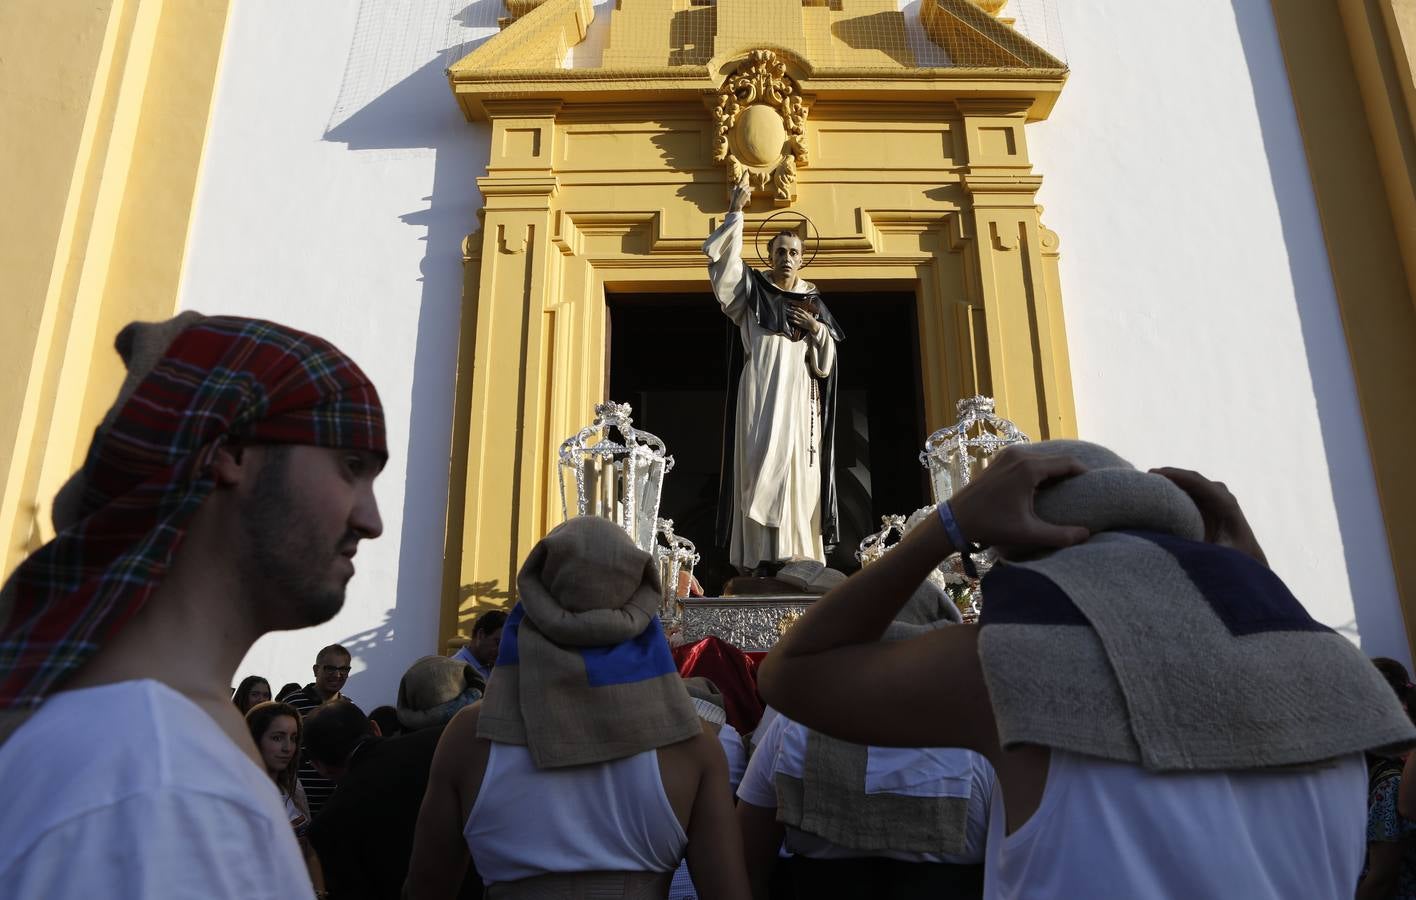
column 956, row 537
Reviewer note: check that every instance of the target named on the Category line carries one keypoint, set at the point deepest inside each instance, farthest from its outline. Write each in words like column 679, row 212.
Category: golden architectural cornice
column 527, row 59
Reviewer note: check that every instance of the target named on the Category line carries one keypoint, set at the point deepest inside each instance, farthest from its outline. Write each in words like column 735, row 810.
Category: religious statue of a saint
column 777, row 495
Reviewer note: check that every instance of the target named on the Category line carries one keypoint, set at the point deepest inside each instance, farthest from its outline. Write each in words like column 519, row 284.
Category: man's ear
column 230, row 464
column 374, row 729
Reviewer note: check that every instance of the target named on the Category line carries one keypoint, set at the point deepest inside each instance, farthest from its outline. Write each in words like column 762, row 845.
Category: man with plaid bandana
column 223, row 497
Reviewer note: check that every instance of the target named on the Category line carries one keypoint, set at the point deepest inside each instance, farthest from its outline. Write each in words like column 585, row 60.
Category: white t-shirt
column 604, row 817
column 1111, row 830
column 910, row 771
column 735, row 752
column 130, row 790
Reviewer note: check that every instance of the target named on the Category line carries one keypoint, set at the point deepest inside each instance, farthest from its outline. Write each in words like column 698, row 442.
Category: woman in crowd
column 275, row 727
column 253, row 690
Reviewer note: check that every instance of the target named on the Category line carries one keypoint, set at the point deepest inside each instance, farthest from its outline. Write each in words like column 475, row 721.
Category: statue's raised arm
column 724, row 251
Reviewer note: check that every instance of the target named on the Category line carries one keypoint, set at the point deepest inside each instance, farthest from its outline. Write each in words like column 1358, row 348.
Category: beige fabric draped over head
column 584, row 673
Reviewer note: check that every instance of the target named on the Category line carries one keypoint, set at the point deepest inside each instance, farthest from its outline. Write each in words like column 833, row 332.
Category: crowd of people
column 1143, row 710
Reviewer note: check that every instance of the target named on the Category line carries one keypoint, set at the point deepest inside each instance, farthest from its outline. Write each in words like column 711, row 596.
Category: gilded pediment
column 696, row 44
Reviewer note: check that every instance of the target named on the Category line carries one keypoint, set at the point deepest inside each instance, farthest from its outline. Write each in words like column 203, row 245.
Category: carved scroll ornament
column 761, row 126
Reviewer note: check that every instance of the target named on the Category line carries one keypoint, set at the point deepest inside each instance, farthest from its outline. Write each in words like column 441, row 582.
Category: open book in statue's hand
column 807, row 304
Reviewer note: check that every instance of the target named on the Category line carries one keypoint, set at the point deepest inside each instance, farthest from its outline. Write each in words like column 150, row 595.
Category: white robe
column 777, row 448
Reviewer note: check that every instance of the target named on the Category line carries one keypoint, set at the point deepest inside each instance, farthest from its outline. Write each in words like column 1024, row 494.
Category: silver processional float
column 616, row 471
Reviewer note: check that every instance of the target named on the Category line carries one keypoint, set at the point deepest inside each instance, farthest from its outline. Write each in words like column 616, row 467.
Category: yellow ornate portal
column 607, row 177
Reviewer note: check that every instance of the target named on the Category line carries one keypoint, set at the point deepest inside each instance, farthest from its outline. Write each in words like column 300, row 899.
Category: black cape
column 767, row 304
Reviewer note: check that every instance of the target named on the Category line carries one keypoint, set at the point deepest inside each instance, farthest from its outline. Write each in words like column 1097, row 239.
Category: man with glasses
column 331, row 671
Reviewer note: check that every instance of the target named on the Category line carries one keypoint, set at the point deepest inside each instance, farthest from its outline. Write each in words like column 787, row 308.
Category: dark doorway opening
column 668, row 361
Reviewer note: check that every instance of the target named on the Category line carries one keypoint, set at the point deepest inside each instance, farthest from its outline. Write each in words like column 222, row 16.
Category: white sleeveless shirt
column 607, row 817
column 1106, row 829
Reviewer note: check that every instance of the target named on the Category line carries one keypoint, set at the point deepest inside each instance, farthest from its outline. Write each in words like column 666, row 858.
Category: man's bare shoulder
column 702, row 751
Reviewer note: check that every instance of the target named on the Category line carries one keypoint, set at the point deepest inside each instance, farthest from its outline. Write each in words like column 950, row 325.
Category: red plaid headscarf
column 148, row 471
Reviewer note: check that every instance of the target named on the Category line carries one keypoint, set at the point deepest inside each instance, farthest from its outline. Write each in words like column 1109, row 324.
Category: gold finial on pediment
column 761, row 126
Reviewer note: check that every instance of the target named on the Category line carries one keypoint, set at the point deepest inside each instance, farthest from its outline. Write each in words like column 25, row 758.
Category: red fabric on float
column 732, row 670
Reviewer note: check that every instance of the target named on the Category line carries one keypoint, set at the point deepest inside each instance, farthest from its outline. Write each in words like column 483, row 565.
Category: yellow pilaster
column 1017, row 283
column 99, row 174
column 1358, row 122
column 502, row 517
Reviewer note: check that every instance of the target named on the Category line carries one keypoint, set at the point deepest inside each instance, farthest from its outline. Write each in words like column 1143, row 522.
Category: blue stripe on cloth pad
column 1246, row 595
column 637, row 659
column 509, row 653
column 1014, row 595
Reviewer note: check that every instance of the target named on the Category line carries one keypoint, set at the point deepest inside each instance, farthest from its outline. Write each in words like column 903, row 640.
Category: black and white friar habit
column 777, row 490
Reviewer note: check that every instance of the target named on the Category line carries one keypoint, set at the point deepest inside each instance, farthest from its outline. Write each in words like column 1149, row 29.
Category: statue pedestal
column 752, row 623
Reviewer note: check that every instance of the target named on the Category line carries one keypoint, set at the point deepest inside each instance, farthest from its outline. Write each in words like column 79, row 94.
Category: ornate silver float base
column 748, row 623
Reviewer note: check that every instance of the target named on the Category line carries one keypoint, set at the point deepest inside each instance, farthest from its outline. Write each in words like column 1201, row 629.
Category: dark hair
column 386, row 717
column 783, row 233
column 258, row 719
column 333, row 731
column 1394, row 672
column 489, row 621
column 334, row 648
column 241, row 696
column 286, row 691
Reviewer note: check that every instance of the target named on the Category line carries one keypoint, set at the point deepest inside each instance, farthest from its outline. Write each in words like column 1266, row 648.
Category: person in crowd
column 252, row 691
column 1390, row 872
column 1391, row 834
column 481, row 652
column 331, row 670
column 1137, row 670
column 862, row 821
column 386, row 720
column 1395, row 674
column 333, row 734
column 290, row 687
column 223, row 496
column 708, row 702
column 365, row 834
column 584, row 770
column 275, row 727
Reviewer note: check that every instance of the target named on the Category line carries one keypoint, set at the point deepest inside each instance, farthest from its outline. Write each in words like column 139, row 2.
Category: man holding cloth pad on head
column 1164, row 717
column 585, row 769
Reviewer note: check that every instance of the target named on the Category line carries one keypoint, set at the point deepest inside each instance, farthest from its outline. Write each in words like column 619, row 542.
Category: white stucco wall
column 339, row 180
column 338, row 183
column 1201, row 316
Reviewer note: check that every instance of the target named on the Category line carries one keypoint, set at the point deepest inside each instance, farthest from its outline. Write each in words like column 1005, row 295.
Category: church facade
column 1174, row 233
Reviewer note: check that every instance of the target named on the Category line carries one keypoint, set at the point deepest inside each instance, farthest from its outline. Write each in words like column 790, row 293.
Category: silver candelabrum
column 676, row 556
column 952, row 456
column 613, row 470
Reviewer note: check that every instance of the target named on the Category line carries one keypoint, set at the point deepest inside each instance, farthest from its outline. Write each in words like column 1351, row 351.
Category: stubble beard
column 284, row 569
